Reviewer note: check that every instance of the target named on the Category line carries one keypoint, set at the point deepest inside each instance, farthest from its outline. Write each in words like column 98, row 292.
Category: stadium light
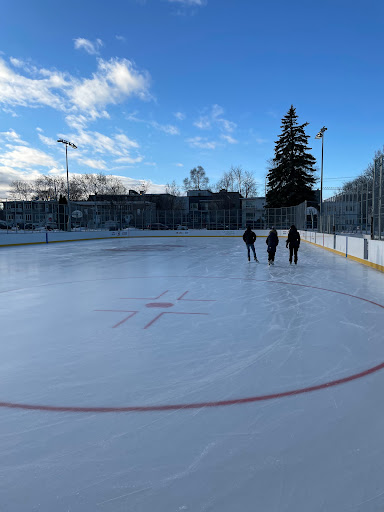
column 67, row 143
column 320, row 135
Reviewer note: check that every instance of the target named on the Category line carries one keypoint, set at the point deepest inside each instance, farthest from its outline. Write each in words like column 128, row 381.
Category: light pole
column 67, row 143
column 320, row 135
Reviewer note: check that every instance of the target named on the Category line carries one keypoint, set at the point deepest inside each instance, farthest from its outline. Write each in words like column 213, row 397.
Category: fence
column 349, row 212
column 359, row 210
column 101, row 215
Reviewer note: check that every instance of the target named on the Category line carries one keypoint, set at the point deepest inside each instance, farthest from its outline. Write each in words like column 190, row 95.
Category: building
column 253, row 212
column 34, row 213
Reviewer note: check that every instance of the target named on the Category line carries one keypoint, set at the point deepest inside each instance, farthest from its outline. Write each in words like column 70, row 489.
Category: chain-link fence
column 359, row 210
column 110, row 215
column 378, row 199
column 349, row 212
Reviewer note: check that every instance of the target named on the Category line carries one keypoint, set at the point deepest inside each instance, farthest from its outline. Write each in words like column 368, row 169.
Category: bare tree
column 366, row 178
column 172, row 189
column 249, row 185
column 226, row 182
column 173, row 201
column 238, row 175
column 197, row 180
column 237, row 180
column 47, row 187
column 21, row 190
column 187, row 184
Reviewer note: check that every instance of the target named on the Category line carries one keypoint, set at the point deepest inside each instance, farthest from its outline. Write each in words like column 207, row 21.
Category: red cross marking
column 120, row 311
column 194, row 300
column 145, row 298
column 170, row 313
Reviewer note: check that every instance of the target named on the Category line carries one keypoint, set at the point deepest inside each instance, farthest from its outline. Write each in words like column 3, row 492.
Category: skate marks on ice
column 289, row 328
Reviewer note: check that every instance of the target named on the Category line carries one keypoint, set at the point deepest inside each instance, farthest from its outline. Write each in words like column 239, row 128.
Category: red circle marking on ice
column 199, row 405
column 159, row 305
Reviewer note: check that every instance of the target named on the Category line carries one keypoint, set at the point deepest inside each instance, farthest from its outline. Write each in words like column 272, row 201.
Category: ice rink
column 169, row 374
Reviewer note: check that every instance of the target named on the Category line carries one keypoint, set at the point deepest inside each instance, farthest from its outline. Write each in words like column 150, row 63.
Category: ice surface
column 149, row 323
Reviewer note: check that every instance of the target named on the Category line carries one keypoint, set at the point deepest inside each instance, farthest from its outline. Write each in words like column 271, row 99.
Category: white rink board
column 20, row 238
column 356, row 247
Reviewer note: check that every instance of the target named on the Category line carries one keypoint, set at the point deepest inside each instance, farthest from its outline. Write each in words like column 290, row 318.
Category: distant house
column 214, row 210
column 253, row 212
column 36, row 213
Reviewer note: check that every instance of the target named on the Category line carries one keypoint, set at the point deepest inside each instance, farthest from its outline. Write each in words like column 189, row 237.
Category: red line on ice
column 195, row 300
column 198, row 405
column 170, row 313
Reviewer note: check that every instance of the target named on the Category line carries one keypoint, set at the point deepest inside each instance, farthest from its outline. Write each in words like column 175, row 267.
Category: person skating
column 293, row 241
column 272, row 241
column 249, row 238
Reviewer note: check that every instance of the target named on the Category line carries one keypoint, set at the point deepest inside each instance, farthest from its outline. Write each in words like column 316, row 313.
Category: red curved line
column 172, row 407
column 221, row 403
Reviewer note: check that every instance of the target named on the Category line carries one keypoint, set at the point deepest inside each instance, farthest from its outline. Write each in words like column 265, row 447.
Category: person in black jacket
column 272, row 241
column 293, row 241
column 249, row 238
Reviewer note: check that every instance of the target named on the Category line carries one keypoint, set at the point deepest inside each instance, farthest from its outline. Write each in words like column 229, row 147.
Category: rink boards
column 363, row 250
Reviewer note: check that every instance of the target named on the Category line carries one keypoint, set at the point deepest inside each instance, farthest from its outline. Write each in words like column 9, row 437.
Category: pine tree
column 290, row 178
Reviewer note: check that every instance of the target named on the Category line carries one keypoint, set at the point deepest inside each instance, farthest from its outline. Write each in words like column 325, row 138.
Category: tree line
column 236, row 179
column 365, row 179
column 81, row 186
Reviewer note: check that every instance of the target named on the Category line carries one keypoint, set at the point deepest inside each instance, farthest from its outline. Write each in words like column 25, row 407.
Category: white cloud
column 131, row 183
column 18, row 90
column 261, row 141
column 8, row 174
column 82, row 99
column 202, row 143
column 179, row 165
column 78, row 122
column 129, row 160
column 90, row 47
column 166, row 128
column 226, row 125
column 16, row 62
column 194, row 3
column 118, row 145
column 214, row 118
column 12, row 136
column 114, row 81
column 203, row 123
column 47, row 140
column 229, row 139
column 121, row 38
column 94, row 164
column 179, row 115
column 24, row 157
column 125, row 141
column 9, row 111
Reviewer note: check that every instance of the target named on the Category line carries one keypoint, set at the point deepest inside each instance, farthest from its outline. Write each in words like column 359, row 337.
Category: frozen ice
column 125, row 364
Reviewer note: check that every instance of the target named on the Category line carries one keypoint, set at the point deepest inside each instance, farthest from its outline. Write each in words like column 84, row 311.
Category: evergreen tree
column 290, row 178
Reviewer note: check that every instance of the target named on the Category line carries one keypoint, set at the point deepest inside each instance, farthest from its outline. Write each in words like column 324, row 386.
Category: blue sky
column 148, row 89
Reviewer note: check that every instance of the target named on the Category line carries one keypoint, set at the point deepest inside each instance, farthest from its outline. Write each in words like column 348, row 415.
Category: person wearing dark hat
column 272, row 241
column 249, row 238
column 293, row 242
